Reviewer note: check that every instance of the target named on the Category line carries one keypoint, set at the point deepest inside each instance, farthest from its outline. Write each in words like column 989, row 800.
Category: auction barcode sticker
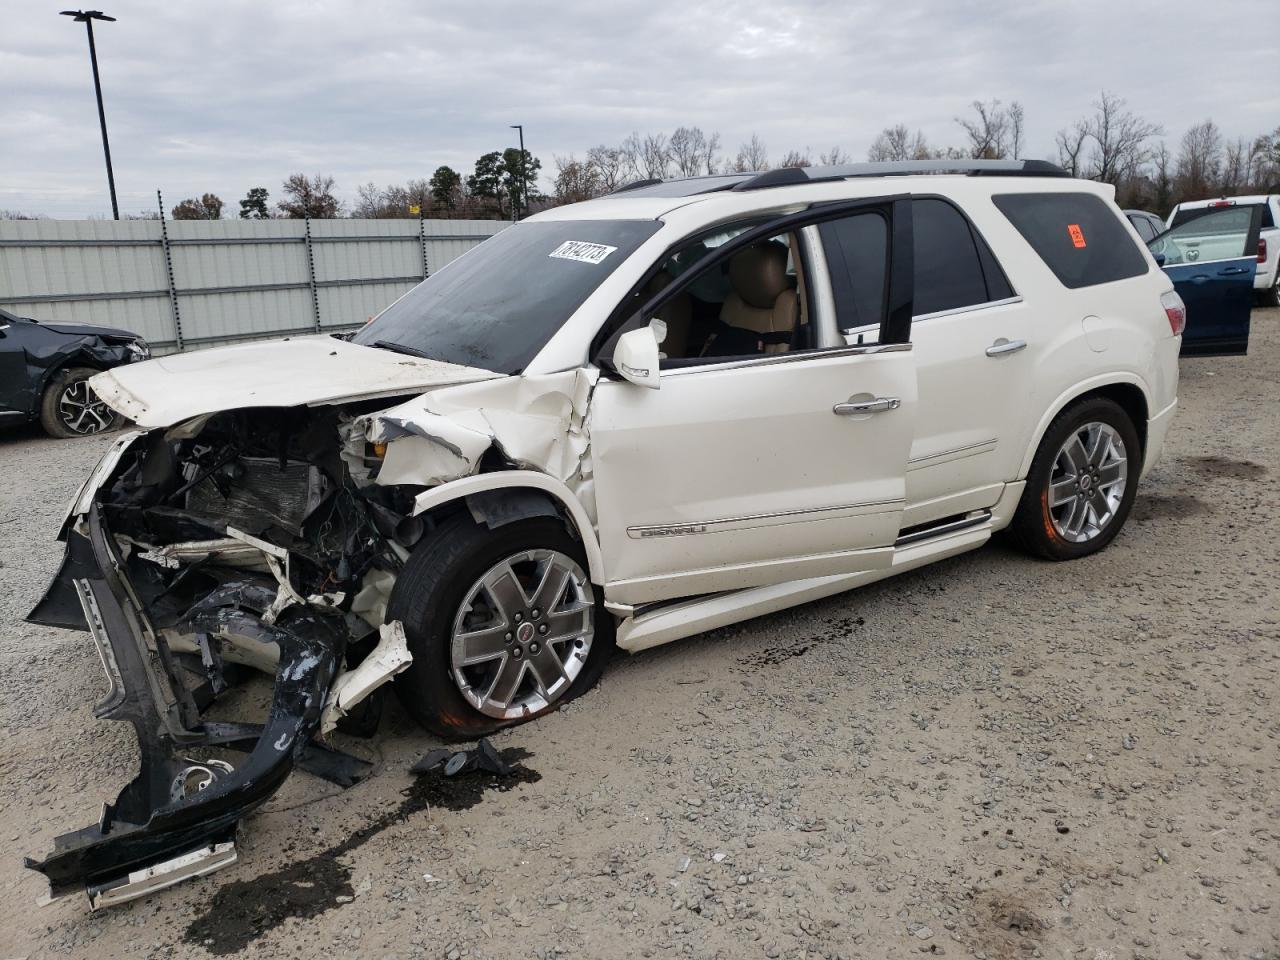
column 582, row 251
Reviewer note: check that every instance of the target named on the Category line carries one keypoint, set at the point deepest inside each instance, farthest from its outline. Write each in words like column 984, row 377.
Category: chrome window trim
column 797, row 357
column 936, row 315
column 806, row 515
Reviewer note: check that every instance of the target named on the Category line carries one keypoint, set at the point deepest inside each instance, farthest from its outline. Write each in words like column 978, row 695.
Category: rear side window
column 1077, row 235
column 953, row 266
column 857, row 252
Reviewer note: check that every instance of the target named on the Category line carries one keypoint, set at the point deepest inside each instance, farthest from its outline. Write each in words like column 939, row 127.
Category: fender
column 1111, row 378
column 529, row 479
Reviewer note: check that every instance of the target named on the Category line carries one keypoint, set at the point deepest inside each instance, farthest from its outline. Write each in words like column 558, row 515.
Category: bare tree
column 834, row 157
column 610, row 164
column 687, row 147
column 898, row 143
column 988, row 130
column 752, row 155
column 1235, row 167
column 794, row 158
column 1119, row 136
column 1071, row 147
column 1162, row 179
column 655, row 156
column 1200, row 161
column 711, row 153
column 1017, row 118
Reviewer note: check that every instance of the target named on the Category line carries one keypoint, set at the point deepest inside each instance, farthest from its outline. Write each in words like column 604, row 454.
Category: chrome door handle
column 1002, row 346
column 866, row 406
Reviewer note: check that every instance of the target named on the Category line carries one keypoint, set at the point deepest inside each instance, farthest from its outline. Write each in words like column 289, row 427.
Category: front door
column 1211, row 260
column 780, row 463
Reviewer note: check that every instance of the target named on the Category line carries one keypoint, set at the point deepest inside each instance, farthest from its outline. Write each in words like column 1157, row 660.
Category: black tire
column 427, row 595
column 1033, row 526
column 56, row 417
column 1271, row 296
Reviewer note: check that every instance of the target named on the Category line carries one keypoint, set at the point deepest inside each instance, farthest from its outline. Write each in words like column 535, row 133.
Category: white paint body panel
column 735, row 476
column 277, row 373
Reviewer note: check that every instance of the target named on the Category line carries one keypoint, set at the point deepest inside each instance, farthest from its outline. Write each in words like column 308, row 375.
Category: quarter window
column 857, row 253
column 950, row 269
column 1077, row 235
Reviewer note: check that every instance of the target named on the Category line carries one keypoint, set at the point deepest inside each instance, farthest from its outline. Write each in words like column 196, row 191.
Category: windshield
column 497, row 305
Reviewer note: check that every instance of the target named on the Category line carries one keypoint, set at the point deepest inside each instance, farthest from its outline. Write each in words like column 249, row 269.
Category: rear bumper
column 1157, row 430
column 178, row 817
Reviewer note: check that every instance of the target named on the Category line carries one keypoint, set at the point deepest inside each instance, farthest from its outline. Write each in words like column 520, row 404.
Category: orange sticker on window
column 1077, row 235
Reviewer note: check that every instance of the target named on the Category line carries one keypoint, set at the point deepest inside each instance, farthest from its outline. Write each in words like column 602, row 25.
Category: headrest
column 759, row 274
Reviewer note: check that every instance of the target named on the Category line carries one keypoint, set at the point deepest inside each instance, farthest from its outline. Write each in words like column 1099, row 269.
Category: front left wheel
column 70, row 408
column 504, row 625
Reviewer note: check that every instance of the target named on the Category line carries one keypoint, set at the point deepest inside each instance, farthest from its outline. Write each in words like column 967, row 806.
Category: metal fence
column 183, row 284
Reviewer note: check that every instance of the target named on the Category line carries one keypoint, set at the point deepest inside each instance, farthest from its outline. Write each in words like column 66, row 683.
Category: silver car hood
column 278, row 373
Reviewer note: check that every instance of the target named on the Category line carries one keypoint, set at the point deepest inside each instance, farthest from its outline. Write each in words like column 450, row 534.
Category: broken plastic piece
column 482, row 757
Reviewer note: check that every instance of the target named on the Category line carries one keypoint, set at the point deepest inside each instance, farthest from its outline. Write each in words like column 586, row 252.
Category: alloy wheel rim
column 522, row 634
column 1087, row 482
column 81, row 411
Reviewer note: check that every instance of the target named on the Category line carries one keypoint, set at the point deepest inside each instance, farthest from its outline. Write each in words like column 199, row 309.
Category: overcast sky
column 223, row 96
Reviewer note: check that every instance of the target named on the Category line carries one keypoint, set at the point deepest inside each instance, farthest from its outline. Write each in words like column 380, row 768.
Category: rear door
column 17, row 399
column 1211, row 258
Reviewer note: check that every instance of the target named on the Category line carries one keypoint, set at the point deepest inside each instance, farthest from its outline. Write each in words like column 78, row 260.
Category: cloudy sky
column 223, row 96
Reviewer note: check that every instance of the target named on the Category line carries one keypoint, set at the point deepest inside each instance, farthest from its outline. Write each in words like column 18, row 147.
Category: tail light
column 1176, row 311
column 1262, row 250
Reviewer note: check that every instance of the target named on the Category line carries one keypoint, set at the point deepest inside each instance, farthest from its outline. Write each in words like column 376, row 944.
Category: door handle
column 866, row 406
column 1233, row 271
column 1003, row 346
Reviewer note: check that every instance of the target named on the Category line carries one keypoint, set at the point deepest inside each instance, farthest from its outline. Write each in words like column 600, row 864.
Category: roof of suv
column 650, row 199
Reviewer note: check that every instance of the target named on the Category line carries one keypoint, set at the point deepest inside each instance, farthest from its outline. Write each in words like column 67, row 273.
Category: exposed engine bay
column 214, row 543
column 238, row 540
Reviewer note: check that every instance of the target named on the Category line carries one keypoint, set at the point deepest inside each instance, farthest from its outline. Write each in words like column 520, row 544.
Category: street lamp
column 87, row 17
column 524, row 177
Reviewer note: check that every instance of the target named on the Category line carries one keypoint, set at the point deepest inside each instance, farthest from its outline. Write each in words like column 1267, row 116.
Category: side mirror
column 636, row 356
column 1159, row 259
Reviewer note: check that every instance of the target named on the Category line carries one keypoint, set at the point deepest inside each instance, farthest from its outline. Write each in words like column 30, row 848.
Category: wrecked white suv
column 615, row 424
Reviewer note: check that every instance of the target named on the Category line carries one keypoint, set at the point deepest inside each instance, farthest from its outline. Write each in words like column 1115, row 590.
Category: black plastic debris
column 482, row 757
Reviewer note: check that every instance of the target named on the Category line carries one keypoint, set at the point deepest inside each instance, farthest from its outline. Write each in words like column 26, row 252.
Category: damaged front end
column 232, row 541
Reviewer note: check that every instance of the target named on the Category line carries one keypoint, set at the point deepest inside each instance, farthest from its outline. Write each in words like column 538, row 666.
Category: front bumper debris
column 178, row 817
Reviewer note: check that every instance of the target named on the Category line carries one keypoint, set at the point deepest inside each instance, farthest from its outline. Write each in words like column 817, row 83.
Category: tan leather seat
column 763, row 300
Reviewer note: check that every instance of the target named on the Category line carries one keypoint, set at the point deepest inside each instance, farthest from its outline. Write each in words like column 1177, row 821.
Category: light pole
column 524, row 177
column 87, row 17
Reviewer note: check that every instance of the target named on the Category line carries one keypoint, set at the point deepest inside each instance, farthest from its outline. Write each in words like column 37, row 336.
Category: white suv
column 1266, row 281
column 615, row 424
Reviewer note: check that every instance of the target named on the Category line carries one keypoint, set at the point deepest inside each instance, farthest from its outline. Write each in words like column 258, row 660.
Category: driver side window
column 750, row 304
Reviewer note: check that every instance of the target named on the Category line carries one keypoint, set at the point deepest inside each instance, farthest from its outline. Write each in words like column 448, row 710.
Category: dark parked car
column 1211, row 254
column 45, row 370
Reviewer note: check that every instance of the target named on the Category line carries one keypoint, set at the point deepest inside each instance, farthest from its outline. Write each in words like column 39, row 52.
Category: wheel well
column 1131, row 399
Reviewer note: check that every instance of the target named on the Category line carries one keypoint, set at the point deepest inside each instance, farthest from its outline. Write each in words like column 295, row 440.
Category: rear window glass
column 1185, row 215
column 1077, row 235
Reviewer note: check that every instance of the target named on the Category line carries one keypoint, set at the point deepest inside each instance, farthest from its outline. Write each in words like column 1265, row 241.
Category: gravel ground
column 993, row 757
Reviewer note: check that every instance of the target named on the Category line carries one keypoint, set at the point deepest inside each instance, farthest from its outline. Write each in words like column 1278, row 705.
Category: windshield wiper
column 400, row 348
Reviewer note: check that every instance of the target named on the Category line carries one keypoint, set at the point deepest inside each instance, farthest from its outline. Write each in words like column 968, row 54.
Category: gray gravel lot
column 992, row 757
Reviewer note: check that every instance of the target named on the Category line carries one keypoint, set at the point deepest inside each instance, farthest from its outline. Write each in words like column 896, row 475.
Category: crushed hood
column 277, row 373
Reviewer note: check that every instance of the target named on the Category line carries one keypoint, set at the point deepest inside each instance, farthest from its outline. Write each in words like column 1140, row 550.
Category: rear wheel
column 1271, row 296
column 504, row 625
column 70, row 408
column 1082, row 482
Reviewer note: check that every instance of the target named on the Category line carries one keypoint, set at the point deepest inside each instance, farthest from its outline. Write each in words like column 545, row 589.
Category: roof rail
column 787, row 176
column 636, row 185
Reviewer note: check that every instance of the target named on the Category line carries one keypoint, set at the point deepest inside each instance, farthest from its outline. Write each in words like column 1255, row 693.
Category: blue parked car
column 1211, row 255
